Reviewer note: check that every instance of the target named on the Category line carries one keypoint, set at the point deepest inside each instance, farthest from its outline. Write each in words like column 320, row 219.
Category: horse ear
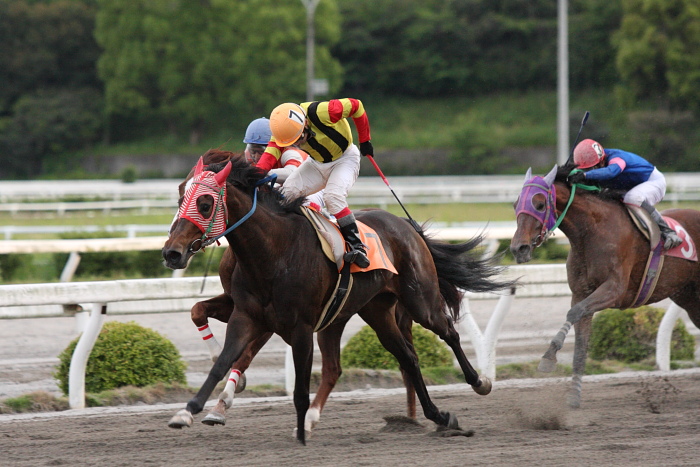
column 549, row 178
column 220, row 177
column 528, row 175
column 199, row 168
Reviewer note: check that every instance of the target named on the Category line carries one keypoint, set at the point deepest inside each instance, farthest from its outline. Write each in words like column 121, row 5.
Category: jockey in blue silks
column 618, row 169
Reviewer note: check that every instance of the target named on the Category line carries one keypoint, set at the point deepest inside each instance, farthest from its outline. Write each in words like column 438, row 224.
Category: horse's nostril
column 171, row 256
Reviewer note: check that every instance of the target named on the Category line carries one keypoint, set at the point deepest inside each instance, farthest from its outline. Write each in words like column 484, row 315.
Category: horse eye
column 205, row 206
column 538, row 205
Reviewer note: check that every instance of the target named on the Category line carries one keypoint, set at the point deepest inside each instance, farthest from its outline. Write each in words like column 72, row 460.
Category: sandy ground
column 625, row 419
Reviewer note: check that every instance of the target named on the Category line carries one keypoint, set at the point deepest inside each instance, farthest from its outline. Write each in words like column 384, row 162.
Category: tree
column 193, row 63
column 438, row 47
column 657, row 51
column 45, row 45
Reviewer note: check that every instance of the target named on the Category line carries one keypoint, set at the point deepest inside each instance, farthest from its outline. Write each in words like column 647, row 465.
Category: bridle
column 206, row 240
column 546, row 218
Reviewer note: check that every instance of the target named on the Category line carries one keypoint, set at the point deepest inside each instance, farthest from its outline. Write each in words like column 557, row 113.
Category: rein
column 204, row 242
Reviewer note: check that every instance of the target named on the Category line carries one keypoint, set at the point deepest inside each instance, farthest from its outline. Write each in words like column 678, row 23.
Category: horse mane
column 246, row 176
column 608, row 194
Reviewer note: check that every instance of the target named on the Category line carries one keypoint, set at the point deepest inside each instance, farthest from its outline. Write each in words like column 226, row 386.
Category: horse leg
column 219, row 307
column 405, row 324
column 240, row 332
column 302, row 343
column 329, row 344
column 236, row 382
column 606, row 296
column 391, row 338
column 583, row 334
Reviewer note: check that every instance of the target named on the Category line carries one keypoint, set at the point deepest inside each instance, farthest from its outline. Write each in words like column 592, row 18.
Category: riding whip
column 379, row 171
column 583, row 123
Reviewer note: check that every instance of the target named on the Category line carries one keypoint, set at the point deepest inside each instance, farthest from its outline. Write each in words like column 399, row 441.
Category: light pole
column 563, row 84
column 310, row 6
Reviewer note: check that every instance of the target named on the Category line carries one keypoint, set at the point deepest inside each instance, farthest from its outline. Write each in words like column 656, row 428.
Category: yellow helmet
column 287, row 122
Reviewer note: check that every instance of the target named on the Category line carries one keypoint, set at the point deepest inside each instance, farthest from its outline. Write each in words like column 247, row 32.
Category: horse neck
column 587, row 214
column 262, row 236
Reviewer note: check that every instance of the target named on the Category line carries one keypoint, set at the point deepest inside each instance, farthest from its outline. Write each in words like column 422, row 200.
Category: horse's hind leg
column 236, row 382
column 582, row 330
column 391, row 338
column 405, row 324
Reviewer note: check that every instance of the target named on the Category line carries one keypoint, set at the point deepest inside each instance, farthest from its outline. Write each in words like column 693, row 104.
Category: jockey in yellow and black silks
column 322, row 130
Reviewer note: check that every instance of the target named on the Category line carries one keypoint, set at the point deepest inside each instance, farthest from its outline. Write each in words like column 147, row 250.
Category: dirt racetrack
column 646, row 418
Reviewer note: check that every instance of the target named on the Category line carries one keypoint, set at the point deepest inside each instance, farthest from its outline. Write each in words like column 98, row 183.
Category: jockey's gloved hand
column 578, row 177
column 366, row 149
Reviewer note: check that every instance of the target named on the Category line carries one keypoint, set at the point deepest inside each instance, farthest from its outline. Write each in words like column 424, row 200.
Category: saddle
column 646, row 225
column 334, row 247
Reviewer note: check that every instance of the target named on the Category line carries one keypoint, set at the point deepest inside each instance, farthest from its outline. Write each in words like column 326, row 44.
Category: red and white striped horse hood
column 206, row 183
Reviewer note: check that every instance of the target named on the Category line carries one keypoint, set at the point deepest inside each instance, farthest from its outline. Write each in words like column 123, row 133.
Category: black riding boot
column 668, row 235
column 357, row 253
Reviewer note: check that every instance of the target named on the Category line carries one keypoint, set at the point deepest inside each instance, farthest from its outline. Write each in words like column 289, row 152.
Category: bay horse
column 221, row 307
column 607, row 260
column 282, row 280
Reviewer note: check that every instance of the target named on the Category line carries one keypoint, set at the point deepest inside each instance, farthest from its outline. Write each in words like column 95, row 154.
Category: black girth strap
column 335, row 304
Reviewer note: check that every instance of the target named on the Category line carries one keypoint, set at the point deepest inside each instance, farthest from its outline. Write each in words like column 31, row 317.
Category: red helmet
column 588, row 153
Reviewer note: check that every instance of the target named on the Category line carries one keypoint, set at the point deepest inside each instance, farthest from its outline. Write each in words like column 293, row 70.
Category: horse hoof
column 242, row 381
column 313, row 415
column 574, row 402
column 546, row 365
column 452, row 423
column 484, row 388
column 213, row 419
column 307, row 433
column 181, row 419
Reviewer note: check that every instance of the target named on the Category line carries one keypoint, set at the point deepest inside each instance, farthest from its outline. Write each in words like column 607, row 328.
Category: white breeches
column 652, row 191
column 336, row 177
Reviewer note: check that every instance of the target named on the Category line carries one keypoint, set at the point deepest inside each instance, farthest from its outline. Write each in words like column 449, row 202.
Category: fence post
column 664, row 335
column 78, row 363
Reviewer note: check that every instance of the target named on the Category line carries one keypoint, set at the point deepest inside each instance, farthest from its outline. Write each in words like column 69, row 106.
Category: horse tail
column 460, row 268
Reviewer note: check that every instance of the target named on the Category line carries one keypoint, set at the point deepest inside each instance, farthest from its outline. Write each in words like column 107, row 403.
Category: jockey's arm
column 270, row 157
column 290, row 160
column 350, row 108
column 614, row 168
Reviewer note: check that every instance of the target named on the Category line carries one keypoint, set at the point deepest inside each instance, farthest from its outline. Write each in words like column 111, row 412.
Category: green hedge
column 125, row 354
column 364, row 350
column 630, row 335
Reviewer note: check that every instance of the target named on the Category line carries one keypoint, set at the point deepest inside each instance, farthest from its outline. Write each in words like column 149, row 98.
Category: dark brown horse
column 282, row 281
column 221, row 307
column 607, row 259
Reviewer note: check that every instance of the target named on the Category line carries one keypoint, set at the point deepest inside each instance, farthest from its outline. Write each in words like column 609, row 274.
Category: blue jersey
column 625, row 170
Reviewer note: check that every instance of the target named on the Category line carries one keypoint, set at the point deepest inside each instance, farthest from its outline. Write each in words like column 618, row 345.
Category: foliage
column 46, row 125
column 363, row 350
column 45, row 45
column 656, row 52
column 125, row 354
column 630, row 335
column 189, row 63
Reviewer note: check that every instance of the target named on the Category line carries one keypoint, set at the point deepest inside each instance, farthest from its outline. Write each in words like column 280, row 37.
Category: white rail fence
column 492, row 234
column 178, row 294
column 144, row 195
